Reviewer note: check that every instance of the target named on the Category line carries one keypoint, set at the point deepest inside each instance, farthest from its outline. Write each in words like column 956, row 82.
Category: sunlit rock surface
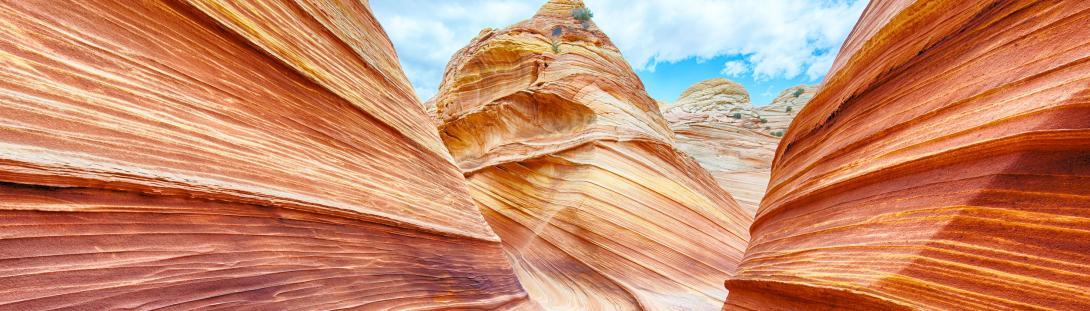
column 715, row 122
column 574, row 168
column 265, row 155
column 944, row 164
column 778, row 114
column 713, row 95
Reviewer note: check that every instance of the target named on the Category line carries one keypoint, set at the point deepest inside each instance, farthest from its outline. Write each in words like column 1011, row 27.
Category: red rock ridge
column 225, row 155
column 943, row 165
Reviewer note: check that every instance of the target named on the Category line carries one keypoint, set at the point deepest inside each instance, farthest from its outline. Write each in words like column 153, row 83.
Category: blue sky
column 766, row 45
column 670, row 79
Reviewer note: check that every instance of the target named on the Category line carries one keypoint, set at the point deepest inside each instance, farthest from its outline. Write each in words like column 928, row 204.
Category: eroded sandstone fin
column 943, row 165
column 574, row 167
column 226, row 154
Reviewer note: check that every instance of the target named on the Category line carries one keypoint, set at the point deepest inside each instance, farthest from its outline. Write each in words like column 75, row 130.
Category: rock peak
column 536, row 117
column 558, row 8
column 720, row 84
column 716, row 94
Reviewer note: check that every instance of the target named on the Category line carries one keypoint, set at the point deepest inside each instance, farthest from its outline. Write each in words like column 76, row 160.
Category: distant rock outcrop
column 777, row 116
column 943, row 165
column 713, row 95
column 237, row 155
column 575, row 169
column 715, row 122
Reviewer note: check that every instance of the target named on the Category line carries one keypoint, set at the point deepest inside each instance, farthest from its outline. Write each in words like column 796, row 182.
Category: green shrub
column 582, row 14
column 556, row 47
column 737, row 115
column 798, row 92
column 777, row 133
column 789, row 109
column 763, row 120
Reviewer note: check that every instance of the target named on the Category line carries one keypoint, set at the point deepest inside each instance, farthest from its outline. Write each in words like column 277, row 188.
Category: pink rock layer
column 943, row 165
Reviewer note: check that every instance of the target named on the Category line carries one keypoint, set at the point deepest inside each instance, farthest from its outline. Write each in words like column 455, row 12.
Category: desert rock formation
column 227, row 155
column 713, row 95
column 574, row 168
column 779, row 114
column 716, row 124
column 944, row 164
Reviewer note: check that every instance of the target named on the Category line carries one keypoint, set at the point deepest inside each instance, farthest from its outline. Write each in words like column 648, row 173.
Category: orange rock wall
column 574, row 168
column 226, row 154
column 943, row 165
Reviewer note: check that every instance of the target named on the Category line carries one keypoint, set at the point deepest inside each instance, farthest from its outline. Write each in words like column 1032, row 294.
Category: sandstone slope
column 785, row 107
column 226, row 155
column 944, row 164
column 574, row 168
column 715, row 122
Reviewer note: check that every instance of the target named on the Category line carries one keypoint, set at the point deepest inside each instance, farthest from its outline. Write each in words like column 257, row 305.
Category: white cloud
column 426, row 33
column 734, row 68
column 774, row 38
column 777, row 38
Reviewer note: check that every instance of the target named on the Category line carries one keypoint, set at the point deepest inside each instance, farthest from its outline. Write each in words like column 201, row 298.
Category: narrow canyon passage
column 272, row 155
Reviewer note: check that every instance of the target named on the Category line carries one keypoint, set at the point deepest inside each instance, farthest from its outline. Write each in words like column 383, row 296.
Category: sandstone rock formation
column 227, row 155
column 778, row 114
column 715, row 122
column 739, row 158
column 713, row 95
column 574, row 168
column 944, row 164
column 723, row 101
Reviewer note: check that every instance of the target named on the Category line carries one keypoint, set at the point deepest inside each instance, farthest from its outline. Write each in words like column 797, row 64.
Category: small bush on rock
column 582, row 14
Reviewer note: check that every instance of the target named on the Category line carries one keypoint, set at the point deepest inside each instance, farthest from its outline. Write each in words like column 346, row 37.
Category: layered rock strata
column 715, row 122
column 713, row 95
column 226, row 155
column 777, row 116
column 943, row 165
column 574, row 168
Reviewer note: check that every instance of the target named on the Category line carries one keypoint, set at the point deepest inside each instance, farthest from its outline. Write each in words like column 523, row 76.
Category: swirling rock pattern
column 226, row 155
column 739, row 158
column 944, row 164
column 573, row 166
column 715, row 123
